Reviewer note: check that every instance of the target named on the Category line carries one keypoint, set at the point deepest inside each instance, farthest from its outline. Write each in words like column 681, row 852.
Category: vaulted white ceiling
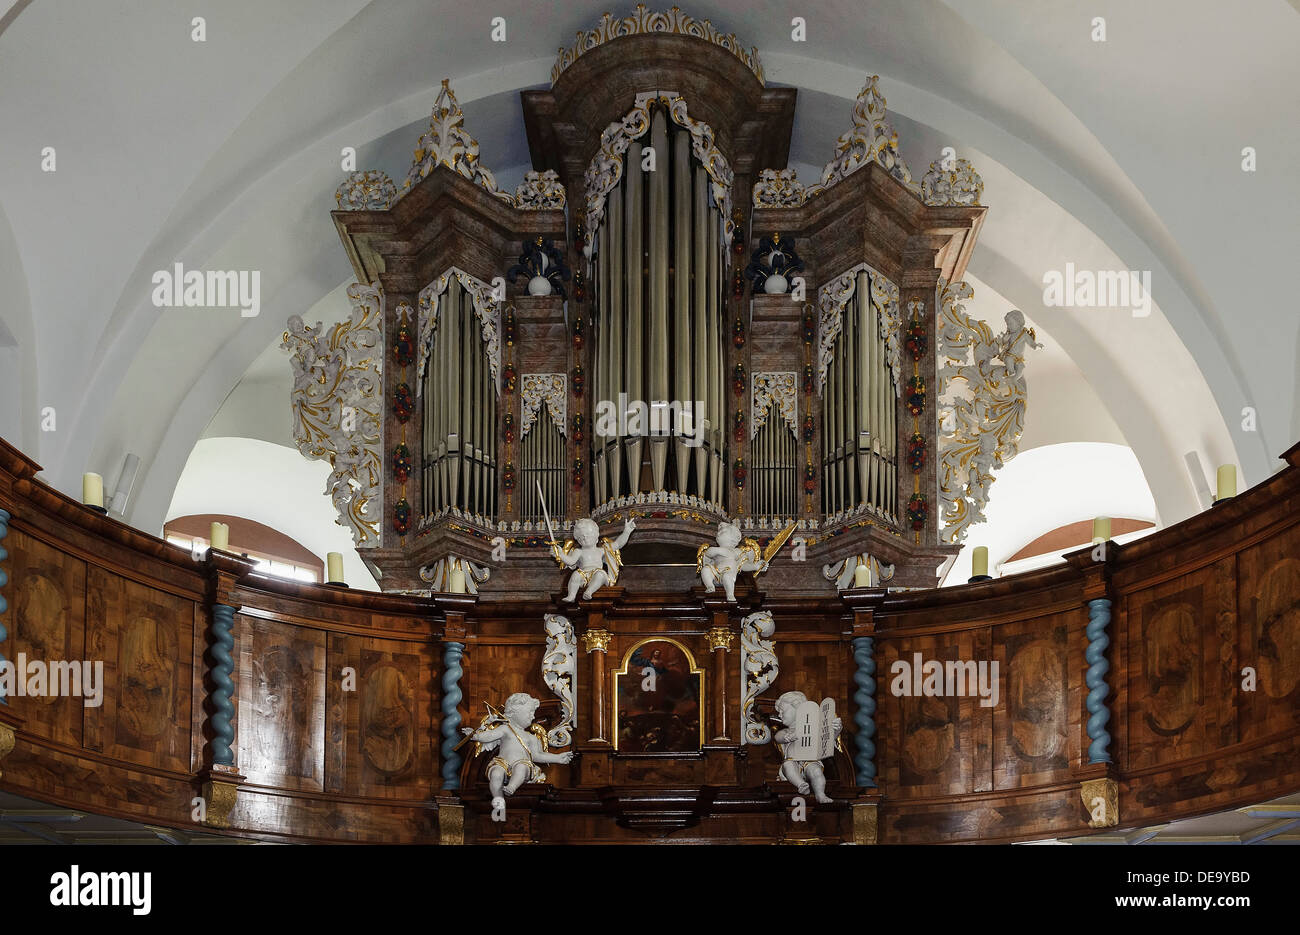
column 225, row 155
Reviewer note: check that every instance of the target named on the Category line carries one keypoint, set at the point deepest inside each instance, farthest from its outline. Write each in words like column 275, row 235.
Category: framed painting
column 658, row 699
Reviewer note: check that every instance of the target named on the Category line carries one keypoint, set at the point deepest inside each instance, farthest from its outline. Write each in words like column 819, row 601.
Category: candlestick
column 1100, row 529
column 334, row 566
column 92, row 492
column 1227, row 482
column 219, row 536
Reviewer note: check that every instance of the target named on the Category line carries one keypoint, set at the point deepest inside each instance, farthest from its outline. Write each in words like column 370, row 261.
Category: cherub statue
column 595, row 561
column 520, row 746
column 803, row 751
column 731, row 556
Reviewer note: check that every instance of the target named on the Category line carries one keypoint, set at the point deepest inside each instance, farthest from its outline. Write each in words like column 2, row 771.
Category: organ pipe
column 660, row 325
column 859, row 419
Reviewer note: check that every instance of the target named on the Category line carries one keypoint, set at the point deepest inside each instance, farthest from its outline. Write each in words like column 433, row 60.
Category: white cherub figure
column 595, row 561
column 724, row 561
column 804, row 774
column 520, row 746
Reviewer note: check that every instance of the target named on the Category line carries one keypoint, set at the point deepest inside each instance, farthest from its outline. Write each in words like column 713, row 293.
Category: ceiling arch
column 246, row 183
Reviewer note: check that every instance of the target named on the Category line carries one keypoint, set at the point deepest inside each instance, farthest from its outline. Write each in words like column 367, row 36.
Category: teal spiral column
column 1098, row 667
column 222, row 668
column 4, row 579
column 451, row 696
column 864, row 761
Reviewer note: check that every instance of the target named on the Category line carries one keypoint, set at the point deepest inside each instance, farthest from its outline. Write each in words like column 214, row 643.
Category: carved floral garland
column 769, row 388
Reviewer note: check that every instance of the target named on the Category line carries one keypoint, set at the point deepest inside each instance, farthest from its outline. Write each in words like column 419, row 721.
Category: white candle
column 92, row 490
column 219, row 536
column 1227, row 481
column 979, row 561
column 334, row 563
column 861, row 576
column 456, row 584
column 1100, row 529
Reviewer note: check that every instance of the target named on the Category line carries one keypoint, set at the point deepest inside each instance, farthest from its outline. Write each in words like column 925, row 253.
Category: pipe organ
column 660, row 323
column 658, row 268
column 460, row 408
column 859, row 401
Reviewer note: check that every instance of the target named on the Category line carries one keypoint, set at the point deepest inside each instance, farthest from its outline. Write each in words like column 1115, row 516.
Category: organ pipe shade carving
column 460, row 404
column 858, row 359
column 543, row 456
column 659, row 321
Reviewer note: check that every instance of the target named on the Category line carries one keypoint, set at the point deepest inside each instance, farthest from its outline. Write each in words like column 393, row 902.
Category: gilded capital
column 596, row 640
column 720, row 638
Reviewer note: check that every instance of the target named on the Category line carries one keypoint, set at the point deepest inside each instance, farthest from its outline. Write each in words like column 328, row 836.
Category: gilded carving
column 979, row 425
column 720, row 638
column 870, row 139
column 831, row 300
column 540, row 191
column 865, row 823
column 606, row 168
column 596, row 640
column 8, row 738
column 759, row 668
column 369, row 190
column 447, row 143
column 778, row 188
column 1101, row 799
column 451, row 824
column 220, row 798
column 642, row 22
column 779, row 389
column 336, row 398
column 536, row 389
column 959, row 186
column 487, row 308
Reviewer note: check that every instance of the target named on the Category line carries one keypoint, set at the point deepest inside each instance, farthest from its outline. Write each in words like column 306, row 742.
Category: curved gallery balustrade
column 1156, row 685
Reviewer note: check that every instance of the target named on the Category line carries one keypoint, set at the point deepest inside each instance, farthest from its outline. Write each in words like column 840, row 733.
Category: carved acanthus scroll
column 536, row 389
column 980, row 427
column 337, row 407
column 831, row 300
column 777, row 388
column 758, row 669
column 486, row 307
column 560, row 673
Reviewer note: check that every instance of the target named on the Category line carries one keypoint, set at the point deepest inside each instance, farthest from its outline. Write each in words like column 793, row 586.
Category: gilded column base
column 8, row 737
column 865, row 827
column 451, row 823
column 220, row 792
column 1101, row 799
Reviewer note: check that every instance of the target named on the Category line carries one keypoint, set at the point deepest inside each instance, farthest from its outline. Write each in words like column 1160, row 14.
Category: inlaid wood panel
column 1269, row 601
column 144, row 638
column 281, row 686
column 380, row 731
column 928, row 744
column 1179, row 698
column 47, row 603
column 1031, row 722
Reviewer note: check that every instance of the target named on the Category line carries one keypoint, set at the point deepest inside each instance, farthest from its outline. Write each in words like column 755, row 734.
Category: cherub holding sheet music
column 806, row 739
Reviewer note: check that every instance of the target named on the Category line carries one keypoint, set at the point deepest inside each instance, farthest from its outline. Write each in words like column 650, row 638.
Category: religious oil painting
column 659, row 694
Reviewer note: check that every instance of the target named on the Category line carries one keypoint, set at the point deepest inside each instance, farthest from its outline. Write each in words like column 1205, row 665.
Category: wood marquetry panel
column 1180, row 699
column 281, row 686
column 1269, row 601
column 379, row 733
column 47, row 603
column 144, row 637
column 929, row 744
column 1031, row 723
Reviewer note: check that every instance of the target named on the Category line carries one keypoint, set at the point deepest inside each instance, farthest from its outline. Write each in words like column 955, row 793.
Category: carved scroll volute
column 758, row 670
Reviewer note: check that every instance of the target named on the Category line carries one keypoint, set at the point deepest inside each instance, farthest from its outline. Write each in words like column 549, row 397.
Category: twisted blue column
column 865, row 717
column 222, row 668
column 4, row 579
column 451, row 696
column 1098, row 713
